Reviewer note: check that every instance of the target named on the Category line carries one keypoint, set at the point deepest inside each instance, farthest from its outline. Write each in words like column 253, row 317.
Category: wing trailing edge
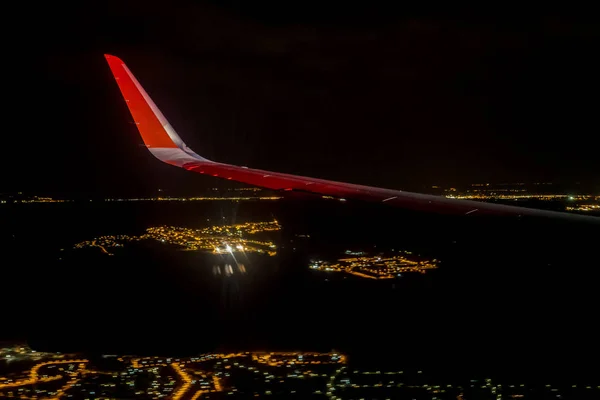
column 165, row 144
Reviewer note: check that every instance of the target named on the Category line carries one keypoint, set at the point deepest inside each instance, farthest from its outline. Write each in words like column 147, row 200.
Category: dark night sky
column 375, row 95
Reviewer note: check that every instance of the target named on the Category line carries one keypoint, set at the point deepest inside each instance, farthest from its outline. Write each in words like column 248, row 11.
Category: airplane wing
column 164, row 143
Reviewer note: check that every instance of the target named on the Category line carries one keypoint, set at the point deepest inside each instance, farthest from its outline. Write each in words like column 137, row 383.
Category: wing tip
column 110, row 57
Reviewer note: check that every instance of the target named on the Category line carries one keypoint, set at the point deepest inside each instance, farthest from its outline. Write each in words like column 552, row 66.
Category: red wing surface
column 166, row 145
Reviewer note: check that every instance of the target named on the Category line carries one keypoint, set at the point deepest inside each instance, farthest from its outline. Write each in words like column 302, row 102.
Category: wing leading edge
column 165, row 144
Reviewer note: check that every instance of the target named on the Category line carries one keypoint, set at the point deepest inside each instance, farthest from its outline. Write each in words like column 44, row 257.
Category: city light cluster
column 238, row 194
column 528, row 196
column 219, row 239
column 377, row 267
column 585, row 207
column 220, row 375
column 66, row 375
column 35, row 199
column 199, row 198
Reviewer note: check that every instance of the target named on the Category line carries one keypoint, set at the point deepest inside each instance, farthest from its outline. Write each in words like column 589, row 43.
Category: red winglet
column 150, row 122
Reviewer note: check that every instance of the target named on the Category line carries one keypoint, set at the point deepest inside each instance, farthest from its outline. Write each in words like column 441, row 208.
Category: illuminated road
column 187, row 381
column 190, row 382
column 94, row 244
column 34, row 376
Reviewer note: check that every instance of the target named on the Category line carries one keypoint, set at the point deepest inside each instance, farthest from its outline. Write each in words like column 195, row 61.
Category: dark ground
column 510, row 295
